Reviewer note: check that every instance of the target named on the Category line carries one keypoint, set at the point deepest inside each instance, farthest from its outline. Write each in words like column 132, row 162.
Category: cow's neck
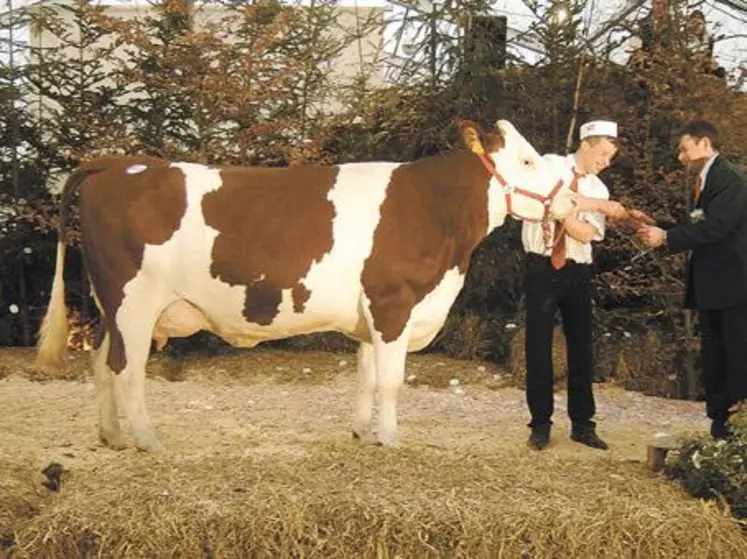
column 475, row 178
column 495, row 204
column 462, row 184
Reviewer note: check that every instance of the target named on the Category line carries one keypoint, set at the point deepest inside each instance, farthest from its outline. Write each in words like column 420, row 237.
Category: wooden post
column 658, row 447
column 576, row 100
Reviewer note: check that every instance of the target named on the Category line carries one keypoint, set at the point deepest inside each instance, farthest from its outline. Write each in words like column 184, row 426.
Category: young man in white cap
column 560, row 277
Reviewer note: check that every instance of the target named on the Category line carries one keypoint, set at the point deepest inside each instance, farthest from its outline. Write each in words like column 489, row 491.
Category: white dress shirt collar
column 705, row 169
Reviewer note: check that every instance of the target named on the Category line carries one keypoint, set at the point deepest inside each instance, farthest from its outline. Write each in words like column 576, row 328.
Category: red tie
column 558, row 257
column 697, row 183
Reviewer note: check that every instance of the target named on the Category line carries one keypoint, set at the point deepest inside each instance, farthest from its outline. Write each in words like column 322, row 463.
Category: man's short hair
column 594, row 140
column 698, row 129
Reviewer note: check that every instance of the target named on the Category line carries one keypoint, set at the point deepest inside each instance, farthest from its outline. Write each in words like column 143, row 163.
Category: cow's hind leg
column 366, row 392
column 109, row 429
column 390, row 374
column 135, row 321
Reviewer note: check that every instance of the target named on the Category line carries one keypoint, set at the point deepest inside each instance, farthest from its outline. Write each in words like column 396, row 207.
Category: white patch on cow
column 496, row 205
column 334, row 281
column 135, row 169
column 429, row 315
column 221, row 304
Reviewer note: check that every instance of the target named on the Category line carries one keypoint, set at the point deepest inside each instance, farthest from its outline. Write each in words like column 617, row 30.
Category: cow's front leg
column 390, row 372
column 366, row 390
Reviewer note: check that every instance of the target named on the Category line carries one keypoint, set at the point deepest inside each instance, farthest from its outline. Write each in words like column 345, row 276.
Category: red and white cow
column 377, row 251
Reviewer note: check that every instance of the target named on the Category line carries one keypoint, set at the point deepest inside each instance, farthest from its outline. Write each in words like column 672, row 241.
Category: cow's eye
column 527, row 163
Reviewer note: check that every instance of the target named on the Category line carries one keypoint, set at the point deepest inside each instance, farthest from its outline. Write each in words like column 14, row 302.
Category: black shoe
column 587, row 435
column 540, row 437
column 720, row 430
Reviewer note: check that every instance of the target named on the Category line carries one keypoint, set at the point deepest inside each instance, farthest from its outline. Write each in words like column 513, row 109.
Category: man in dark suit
column 716, row 275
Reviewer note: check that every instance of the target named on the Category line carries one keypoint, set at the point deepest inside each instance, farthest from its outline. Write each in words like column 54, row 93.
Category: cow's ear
column 470, row 134
column 493, row 141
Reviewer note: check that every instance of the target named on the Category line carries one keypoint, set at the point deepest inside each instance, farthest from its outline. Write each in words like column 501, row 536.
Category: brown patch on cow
column 261, row 213
column 300, row 296
column 262, row 302
column 434, row 215
column 120, row 213
column 99, row 333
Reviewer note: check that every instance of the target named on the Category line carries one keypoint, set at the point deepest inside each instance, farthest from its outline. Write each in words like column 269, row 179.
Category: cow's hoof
column 364, row 439
column 113, row 441
column 149, row 444
column 151, row 448
column 389, row 442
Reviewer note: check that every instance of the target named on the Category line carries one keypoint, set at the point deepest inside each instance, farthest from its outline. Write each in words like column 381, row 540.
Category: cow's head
column 522, row 184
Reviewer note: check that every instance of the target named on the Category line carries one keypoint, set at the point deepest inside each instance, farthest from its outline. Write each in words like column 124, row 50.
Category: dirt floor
column 234, row 425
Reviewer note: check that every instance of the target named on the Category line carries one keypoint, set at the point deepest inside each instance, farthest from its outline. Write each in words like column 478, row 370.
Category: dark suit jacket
column 716, row 274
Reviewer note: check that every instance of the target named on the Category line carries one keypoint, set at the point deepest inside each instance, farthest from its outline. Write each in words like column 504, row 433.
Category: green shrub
column 711, row 469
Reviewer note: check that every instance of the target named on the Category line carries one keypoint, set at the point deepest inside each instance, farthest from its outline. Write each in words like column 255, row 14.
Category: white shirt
column 705, row 169
column 590, row 186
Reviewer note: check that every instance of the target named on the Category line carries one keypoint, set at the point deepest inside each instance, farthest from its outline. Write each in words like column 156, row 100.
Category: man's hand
column 633, row 221
column 610, row 208
column 652, row 236
column 613, row 209
column 639, row 218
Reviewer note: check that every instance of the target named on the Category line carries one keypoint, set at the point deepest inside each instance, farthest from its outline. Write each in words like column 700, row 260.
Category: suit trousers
column 548, row 290
column 724, row 353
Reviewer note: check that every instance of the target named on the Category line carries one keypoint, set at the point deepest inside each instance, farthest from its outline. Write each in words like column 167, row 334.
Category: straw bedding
column 261, row 464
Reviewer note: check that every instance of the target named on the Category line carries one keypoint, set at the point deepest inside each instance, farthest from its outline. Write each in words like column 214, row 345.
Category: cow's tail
column 52, row 343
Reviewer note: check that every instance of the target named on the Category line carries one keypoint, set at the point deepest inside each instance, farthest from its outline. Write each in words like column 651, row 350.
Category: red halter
column 546, row 201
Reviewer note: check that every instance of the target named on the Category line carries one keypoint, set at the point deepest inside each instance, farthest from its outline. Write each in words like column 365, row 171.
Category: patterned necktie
column 558, row 257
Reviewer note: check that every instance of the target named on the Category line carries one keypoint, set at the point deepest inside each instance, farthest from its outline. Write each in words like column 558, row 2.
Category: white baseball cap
column 598, row 128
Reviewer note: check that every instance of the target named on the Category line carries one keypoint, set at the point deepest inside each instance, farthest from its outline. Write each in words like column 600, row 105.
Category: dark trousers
column 724, row 353
column 569, row 290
